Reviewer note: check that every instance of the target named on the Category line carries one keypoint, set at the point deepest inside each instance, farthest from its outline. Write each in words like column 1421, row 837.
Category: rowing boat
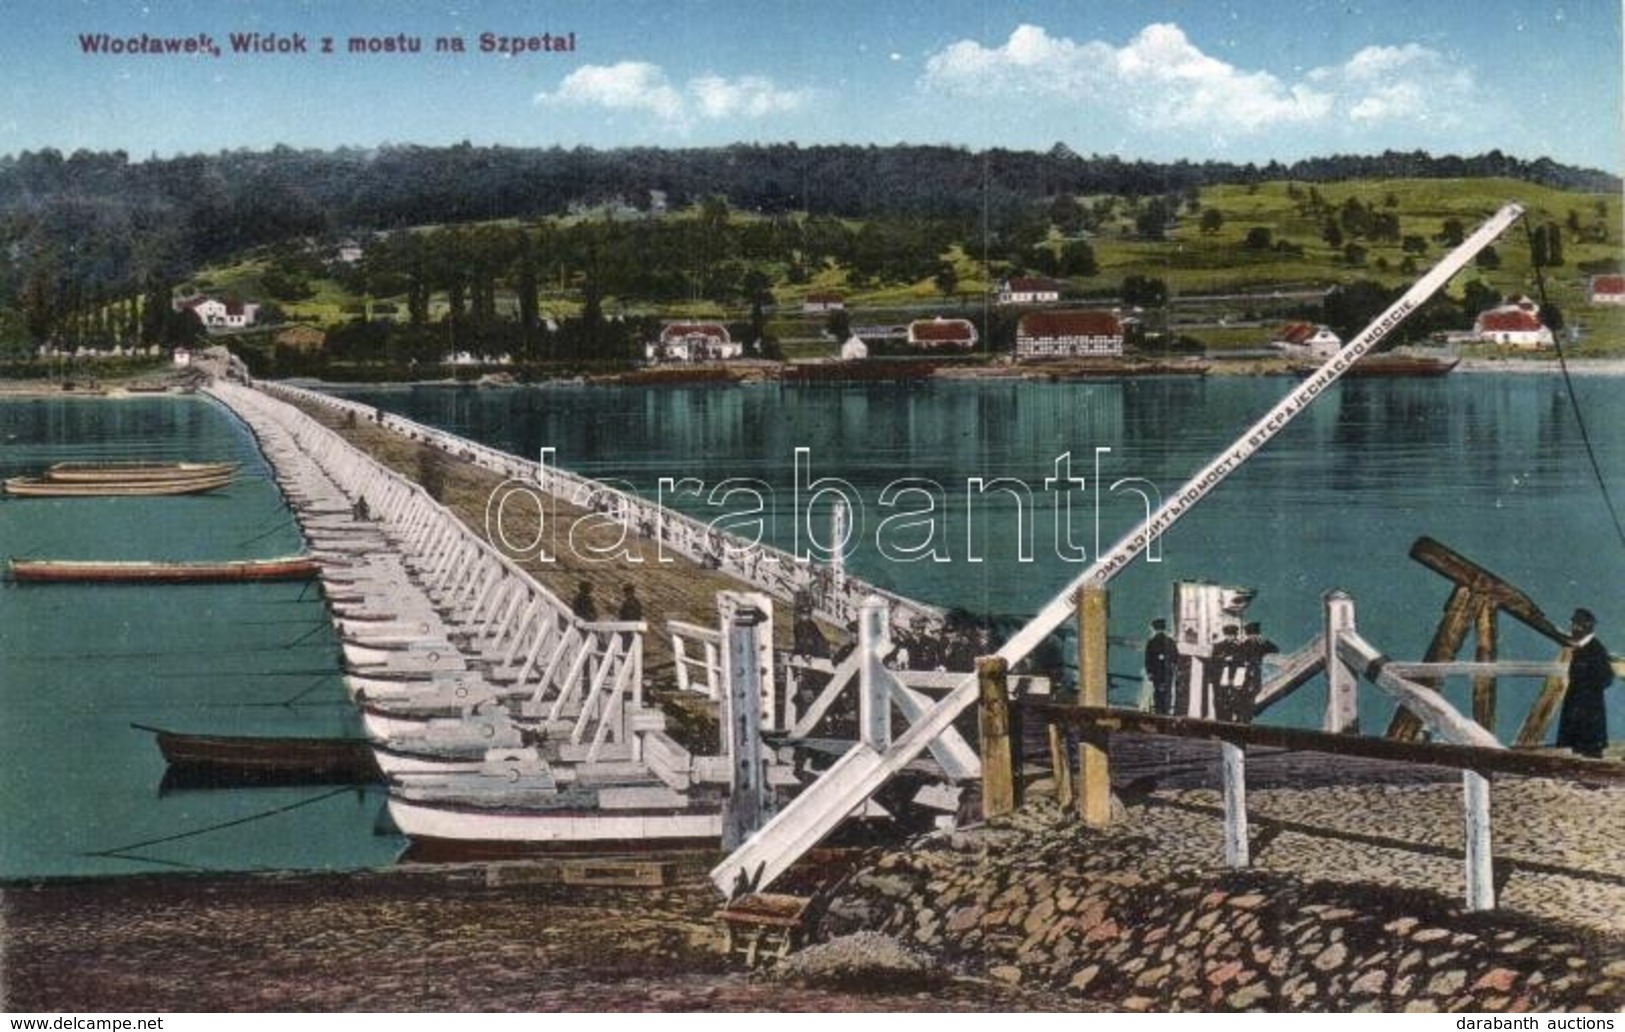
column 46, row 487
column 249, row 756
column 102, row 472
column 293, row 567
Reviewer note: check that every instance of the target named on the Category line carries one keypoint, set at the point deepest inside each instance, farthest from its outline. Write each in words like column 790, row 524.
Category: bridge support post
column 1000, row 771
column 1094, row 774
column 742, row 722
column 874, row 680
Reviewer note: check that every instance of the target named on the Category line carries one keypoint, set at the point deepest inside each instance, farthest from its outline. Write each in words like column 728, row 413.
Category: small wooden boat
column 270, row 757
column 46, row 487
column 103, row 472
column 293, row 567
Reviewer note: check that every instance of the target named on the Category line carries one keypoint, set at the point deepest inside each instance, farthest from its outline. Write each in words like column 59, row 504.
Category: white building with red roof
column 1308, row 340
column 1516, row 324
column 215, row 314
column 941, row 334
column 693, row 342
column 823, row 301
column 1069, row 334
column 1606, row 290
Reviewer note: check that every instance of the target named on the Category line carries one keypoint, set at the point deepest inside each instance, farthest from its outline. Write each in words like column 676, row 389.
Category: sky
column 1159, row 80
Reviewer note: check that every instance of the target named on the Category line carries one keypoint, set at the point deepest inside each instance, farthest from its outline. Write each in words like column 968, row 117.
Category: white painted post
column 1342, row 708
column 837, row 559
column 1234, row 758
column 1480, row 863
column 742, row 710
column 874, row 680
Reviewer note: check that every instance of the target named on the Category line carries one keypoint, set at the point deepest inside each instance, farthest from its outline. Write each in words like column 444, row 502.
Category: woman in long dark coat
column 1583, row 723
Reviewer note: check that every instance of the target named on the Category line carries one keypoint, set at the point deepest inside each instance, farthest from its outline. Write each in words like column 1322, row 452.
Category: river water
column 1494, row 466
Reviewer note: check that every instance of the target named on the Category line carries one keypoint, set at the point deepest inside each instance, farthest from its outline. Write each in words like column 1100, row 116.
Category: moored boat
column 48, row 487
column 267, row 756
column 101, row 472
column 294, row 567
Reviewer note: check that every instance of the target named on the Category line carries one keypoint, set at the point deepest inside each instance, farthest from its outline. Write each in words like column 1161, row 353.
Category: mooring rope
column 1568, row 383
column 234, row 822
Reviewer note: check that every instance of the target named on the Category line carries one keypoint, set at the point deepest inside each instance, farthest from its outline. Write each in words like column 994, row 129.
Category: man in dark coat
column 1583, row 723
column 1225, row 671
column 1161, row 660
column 1252, row 650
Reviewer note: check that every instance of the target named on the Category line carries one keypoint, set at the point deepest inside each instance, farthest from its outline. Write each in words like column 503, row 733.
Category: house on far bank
column 300, row 338
column 469, row 358
column 693, row 342
column 181, row 357
column 941, row 334
column 1028, row 291
column 854, row 349
column 1606, row 290
column 1515, row 324
column 1070, row 334
column 1308, row 340
column 823, row 301
column 215, row 314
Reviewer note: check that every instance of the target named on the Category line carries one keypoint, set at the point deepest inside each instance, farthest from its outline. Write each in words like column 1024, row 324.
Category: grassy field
column 1191, row 261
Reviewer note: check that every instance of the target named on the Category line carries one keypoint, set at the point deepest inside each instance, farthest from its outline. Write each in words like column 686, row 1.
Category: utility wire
column 1568, row 383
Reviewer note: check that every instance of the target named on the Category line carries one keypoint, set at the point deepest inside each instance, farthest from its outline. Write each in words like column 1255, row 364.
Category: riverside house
column 1071, row 334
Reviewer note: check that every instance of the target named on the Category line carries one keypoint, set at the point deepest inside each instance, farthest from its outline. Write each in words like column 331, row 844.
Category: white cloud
column 1161, row 80
column 637, row 86
column 1409, row 83
column 628, row 86
column 751, row 96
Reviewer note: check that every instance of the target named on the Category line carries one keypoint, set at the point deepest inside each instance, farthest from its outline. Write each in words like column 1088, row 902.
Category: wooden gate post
column 1342, row 702
column 1484, row 685
column 1094, row 775
column 998, row 771
column 1236, row 852
column 1480, row 865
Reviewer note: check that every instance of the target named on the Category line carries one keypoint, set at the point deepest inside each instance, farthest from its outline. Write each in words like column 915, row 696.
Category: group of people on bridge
column 1230, row 675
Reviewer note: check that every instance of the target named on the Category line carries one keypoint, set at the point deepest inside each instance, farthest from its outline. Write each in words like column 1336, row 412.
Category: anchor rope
column 234, row 822
column 1568, row 383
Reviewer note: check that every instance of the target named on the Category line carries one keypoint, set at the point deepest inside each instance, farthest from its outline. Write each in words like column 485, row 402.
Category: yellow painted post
column 1060, row 766
column 998, row 773
column 1094, row 776
column 1484, row 687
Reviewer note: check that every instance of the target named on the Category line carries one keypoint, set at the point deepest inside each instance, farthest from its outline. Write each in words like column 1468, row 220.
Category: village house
column 941, row 334
column 1028, row 291
column 1309, row 339
column 854, row 349
column 692, row 342
column 1072, row 334
column 1606, row 290
column 823, row 301
column 1515, row 324
column 215, row 314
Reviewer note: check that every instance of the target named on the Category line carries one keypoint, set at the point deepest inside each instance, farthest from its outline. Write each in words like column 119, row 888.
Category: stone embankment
column 1139, row 916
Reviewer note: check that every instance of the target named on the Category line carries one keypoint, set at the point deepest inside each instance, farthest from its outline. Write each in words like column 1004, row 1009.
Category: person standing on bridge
column 583, row 605
column 1161, row 660
column 1583, row 723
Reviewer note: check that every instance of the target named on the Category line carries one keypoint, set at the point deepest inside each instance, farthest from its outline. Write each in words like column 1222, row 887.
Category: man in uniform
column 1161, row 660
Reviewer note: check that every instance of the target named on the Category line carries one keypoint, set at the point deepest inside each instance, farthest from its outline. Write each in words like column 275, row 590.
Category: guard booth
column 1201, row 609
